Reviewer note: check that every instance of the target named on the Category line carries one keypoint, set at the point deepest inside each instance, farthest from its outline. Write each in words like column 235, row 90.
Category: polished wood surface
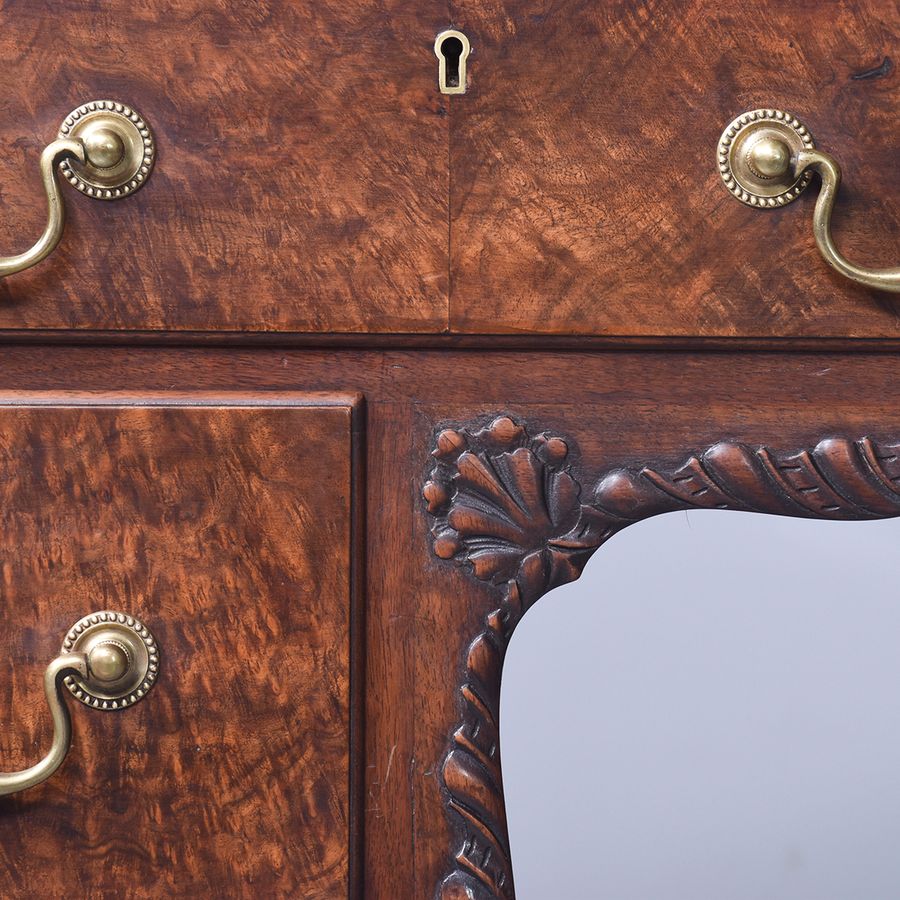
column 220, row 398
column 312, row 179
column 586, row 196
column 615, row 409
column 227, row 529
column 302, row 176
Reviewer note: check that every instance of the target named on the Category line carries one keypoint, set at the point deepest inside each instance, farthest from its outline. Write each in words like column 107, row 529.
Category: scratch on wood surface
column 387, row 774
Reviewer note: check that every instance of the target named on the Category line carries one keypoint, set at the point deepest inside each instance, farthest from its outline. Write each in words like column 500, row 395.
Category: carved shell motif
column 507, row 504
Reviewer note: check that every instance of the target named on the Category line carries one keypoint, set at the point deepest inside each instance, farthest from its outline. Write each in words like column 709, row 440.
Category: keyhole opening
column 451, row 49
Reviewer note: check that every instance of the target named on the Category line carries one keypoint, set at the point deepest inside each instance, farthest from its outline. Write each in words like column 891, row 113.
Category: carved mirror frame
column 516, row 508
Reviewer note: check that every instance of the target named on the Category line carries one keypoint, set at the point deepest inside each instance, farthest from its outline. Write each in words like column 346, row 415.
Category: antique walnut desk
column 369, row 324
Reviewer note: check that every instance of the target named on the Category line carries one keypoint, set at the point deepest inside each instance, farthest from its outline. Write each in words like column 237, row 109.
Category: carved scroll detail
column 510, row 508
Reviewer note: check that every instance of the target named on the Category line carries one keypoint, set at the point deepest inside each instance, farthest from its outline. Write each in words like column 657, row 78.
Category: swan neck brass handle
column 108, row 660
column 830, row 172
column 52, row 156
column 105, row 150
column 766, row 159
column 64, row 664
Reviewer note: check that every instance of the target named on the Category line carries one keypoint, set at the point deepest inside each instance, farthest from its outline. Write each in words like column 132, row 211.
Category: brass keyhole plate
column 127, row 636
column 452, row 65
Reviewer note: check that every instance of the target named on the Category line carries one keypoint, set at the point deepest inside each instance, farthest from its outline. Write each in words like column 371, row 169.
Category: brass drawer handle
column 108, row 661
column 766, row 159
column 105, row 150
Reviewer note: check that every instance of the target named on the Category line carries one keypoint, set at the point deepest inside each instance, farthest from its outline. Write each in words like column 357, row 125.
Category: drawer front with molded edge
column 222, row 531
column 291, row 168
column 593, row 172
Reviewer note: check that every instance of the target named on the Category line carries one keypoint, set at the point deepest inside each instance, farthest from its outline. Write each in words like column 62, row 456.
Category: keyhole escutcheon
column 452, row 48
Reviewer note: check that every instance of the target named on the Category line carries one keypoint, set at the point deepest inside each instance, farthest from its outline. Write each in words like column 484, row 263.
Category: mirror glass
column 711, row 712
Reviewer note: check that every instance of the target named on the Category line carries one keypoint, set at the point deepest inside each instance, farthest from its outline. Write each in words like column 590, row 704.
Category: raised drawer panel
column 227, row 528
column 301, row 179
column 586, row 196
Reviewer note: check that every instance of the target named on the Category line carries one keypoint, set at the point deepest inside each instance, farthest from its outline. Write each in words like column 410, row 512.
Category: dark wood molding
column 511, row 505
column 443, row 340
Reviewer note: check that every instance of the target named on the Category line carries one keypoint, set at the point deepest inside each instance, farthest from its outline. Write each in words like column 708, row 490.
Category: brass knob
column 108, row 660
column 769, row 157
column 766, row 159
column 103, row 146
column 105, row 150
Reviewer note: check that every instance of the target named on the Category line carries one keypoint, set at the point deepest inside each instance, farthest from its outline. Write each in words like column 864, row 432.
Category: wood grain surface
column 227, row 529
column 304, row 182
column 312, row 181
column 617, row 410
column 586, row 197
column 302, row 175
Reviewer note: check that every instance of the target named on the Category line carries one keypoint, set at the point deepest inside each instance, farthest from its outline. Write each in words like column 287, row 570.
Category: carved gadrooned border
column 511, row 509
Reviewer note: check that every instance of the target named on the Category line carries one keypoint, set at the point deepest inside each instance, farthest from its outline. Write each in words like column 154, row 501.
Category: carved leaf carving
column 510, row 507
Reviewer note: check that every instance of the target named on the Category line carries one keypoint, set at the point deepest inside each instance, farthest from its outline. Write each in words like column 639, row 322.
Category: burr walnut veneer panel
column 304, row 182
column 227, row 529
column 586, row 196
column 302, row 175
